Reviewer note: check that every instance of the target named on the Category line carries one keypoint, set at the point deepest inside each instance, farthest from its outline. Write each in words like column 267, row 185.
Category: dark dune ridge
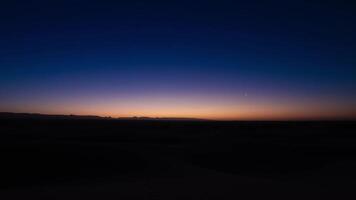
column 66, row 157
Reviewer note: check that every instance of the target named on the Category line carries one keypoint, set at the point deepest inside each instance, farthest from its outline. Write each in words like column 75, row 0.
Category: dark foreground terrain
column 94, row 158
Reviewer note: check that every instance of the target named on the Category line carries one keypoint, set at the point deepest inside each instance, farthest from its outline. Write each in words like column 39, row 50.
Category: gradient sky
column 205, row 59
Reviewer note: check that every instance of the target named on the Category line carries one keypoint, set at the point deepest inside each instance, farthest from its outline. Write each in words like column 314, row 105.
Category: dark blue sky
column 210, row 59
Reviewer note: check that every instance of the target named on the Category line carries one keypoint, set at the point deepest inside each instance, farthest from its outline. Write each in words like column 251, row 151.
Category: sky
column 229, row 60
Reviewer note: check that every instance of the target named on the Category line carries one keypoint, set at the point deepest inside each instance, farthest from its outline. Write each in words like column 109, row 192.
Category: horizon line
column 181, row 118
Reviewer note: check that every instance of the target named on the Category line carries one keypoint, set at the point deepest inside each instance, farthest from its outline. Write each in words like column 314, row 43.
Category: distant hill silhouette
column 10, row 115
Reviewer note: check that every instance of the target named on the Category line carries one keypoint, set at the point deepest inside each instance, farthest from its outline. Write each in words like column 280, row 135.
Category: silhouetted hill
column 10, row 115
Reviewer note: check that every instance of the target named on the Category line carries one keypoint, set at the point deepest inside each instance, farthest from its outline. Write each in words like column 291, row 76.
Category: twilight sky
column 205, row 59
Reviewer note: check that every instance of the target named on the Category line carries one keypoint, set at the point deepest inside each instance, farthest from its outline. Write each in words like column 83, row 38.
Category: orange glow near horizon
column 194, row 108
